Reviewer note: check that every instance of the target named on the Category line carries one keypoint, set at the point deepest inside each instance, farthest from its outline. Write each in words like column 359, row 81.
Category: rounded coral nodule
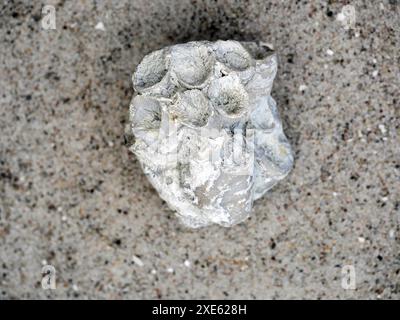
column 228, row 96
column 145, row 113
column 150, row 71
column 191, row 108
column 233, row 55
column 191, row 64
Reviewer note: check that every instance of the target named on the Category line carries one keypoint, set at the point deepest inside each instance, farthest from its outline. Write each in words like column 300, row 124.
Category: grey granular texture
column 73, row 196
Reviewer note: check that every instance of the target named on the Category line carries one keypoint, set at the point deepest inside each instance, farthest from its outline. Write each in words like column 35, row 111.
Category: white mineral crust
column 207, row 132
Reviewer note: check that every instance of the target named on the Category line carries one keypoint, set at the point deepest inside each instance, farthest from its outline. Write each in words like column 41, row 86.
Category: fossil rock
column 207, row 132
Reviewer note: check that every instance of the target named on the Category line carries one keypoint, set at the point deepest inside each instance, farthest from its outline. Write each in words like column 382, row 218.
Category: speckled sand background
column 73, row 196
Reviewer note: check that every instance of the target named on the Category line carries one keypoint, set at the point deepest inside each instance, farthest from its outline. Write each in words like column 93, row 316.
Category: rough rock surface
column 208, row 133
column 72, row 195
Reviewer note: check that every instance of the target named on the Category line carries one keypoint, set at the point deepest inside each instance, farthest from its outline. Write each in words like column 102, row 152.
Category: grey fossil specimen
column 207, row 132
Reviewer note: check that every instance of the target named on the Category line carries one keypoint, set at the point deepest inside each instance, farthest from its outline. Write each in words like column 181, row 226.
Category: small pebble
column 382, row 128
column 361, row 239
column 302, row 88
column 100, row 26
column 329, row 52
column 187, row 263
column 340, row 16
column 137, row 261
column 170, row 270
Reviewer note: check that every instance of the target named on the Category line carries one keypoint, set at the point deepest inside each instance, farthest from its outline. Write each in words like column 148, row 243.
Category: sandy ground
column 74, row 197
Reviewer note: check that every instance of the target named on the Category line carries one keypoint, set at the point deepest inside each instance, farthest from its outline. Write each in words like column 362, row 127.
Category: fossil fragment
column 208, row 133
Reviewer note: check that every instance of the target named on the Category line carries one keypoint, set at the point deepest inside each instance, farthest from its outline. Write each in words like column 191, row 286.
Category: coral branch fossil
column 207, row 131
